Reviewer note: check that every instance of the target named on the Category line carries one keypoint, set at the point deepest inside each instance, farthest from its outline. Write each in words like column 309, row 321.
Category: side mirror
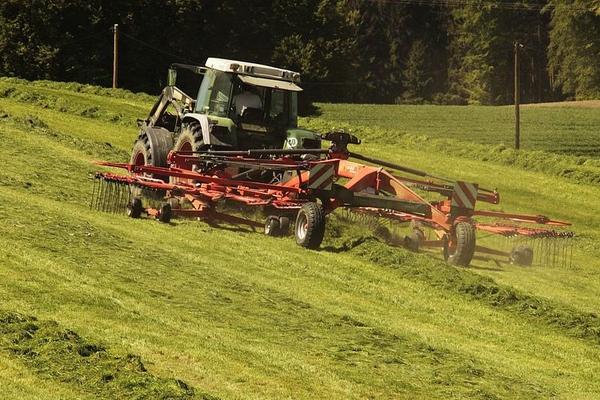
column 172, row 77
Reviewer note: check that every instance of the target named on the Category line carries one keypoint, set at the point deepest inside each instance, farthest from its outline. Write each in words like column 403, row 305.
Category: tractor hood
column 270, row 83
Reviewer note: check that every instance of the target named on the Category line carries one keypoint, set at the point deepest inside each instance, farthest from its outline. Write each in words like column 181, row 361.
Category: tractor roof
column 252, row 69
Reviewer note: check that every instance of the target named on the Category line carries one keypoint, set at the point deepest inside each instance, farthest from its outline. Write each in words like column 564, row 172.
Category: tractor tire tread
column 191, row 132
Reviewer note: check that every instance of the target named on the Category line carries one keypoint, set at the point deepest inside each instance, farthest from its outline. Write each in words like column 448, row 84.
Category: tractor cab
column 257, row 104
column 239, row 106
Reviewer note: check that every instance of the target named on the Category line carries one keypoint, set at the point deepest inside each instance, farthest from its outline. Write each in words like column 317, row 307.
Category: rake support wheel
column 272, row 227
column 277, row 226
column 521, row 255
column 135, row 208
column 310, row 225
column 165, row 213
column 463, row 250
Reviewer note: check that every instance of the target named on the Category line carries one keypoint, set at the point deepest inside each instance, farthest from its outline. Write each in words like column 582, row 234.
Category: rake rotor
column 286, row 185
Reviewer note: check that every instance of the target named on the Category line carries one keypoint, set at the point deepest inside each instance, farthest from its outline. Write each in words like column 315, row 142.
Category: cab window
column 214, row 95
column 277, row 107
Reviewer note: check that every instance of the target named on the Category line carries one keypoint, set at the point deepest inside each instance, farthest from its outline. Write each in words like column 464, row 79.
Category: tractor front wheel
column 462, row 247
column 310, row 225
column 190, row 139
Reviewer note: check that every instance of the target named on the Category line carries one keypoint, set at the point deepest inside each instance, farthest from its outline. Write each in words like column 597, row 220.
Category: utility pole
column 517, row 98
column 115, row 56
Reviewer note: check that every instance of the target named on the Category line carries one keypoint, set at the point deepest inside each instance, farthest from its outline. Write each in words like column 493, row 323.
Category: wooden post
column 115, row 56
column 517, row 98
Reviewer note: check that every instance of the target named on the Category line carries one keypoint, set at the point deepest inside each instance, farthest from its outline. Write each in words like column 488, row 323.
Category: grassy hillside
column 563, row 128
column 95, row 305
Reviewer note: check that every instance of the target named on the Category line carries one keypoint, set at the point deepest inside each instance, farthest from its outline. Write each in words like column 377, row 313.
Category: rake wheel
column 272, row 226
column 135, row 208
column 521, row 255
column 277, row 226
column 413, row 241
column 310, row 225
column 284, row 225
column 165, row 213
column 463, row 249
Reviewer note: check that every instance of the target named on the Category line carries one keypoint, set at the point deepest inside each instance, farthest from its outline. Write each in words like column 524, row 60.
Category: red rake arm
column 533, row 219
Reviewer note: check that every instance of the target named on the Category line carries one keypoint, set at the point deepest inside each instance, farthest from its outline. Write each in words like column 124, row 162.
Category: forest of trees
column 403, row 51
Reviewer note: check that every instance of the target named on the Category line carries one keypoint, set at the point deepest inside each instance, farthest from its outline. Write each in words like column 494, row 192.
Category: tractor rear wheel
column 310, row 225
column 463, row 249
column 151, row 148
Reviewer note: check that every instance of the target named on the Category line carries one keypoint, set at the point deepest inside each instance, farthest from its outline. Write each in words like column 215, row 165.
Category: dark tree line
column 452, row 51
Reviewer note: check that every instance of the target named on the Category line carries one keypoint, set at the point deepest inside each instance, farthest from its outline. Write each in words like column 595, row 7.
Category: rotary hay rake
column 306, row 185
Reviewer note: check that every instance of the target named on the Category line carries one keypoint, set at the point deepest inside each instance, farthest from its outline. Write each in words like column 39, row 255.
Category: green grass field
column 95, row 305
column 563, row 128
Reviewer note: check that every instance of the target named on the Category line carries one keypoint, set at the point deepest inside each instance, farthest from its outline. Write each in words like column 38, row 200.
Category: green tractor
column 239, row 106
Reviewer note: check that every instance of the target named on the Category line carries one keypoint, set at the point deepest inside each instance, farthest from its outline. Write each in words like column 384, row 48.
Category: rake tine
column 100, row 198
column 103, row 199
column 124, row 193
column 119, row 198
column 109, row 200
column 543, row 250
column 93, row 193
column 108, row 197
column 128, row 195
column 125, row 197
column 115, row 205
column 98, row 184
column 571, row 244
column 106, row 203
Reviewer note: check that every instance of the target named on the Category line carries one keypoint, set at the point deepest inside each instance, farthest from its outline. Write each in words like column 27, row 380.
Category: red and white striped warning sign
column 321, row 177
column 464, row 195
